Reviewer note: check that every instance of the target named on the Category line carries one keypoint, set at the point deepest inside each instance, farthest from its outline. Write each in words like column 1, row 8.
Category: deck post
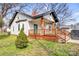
column 43, row 25
column 53, row 28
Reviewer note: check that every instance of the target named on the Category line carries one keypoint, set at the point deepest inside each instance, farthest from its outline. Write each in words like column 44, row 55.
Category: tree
column 21, row 41
column 61, row 9
column 3, row 11
column 63, row 12
column 1, row 22
column 6, row 8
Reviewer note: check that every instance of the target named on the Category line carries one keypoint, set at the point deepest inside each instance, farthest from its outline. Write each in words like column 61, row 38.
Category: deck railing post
column 55, row 31
column 44, row 31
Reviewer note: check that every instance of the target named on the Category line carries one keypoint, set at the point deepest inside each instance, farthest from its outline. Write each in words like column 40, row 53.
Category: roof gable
column 36, row 16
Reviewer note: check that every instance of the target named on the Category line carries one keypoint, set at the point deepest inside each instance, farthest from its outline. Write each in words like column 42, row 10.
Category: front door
column 35, row 28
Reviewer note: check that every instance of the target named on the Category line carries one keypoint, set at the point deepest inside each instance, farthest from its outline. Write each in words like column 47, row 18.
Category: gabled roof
column 13, row 18
column 36, row 16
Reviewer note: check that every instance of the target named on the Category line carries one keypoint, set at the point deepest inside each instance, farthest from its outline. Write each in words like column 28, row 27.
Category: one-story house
column 41, row 24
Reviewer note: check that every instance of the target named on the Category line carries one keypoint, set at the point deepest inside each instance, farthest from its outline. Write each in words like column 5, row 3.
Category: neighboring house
column 75, row 31
column 33, row 24
column 76, row 26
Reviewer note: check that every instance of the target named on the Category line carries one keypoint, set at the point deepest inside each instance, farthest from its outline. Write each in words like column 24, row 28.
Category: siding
column 27, row 24
column 15, row 25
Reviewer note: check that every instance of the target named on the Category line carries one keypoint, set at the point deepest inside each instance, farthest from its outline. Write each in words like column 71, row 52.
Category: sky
column 74, row 7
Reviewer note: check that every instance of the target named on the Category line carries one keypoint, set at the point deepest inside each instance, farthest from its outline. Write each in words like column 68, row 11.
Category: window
column 18, row 27
column 49, row 28
column 23, row 26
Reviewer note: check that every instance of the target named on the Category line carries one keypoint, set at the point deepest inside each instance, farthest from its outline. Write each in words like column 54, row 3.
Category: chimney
column 34, row 13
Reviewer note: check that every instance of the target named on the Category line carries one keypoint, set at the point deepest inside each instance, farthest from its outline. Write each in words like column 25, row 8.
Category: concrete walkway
column 74, row 41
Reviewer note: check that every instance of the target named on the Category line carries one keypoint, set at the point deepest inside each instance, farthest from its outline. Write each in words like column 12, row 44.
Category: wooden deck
column 42, row 32
column 50, row 35
column 46, row 37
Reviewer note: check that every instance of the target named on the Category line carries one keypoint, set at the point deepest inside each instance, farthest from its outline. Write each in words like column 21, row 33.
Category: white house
column 39, row 24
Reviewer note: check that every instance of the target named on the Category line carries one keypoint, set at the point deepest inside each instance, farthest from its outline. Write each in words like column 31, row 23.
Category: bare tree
column 3, row 11
column 61, row 9
column 63, row 12
column 6, row 8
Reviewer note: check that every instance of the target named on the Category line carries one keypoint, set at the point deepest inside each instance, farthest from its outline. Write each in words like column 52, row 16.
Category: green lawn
column 36, row 48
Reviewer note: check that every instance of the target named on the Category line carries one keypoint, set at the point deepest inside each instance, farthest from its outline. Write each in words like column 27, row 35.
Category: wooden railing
column 42, row 32
column 60, row 33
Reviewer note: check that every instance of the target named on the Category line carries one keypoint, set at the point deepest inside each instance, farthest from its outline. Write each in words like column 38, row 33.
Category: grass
column 37, row 48
column 3, row 35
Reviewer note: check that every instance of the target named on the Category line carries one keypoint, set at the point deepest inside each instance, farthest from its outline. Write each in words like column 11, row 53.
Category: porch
column 42, row 32
column 54, row 35
column 48, row 30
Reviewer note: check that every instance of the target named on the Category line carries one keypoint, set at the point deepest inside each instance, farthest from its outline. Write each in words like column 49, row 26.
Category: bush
column 22, row 40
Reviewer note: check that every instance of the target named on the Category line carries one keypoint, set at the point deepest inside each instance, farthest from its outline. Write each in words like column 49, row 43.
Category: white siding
column 36, row 22
column 27, row 24
column 15, row 25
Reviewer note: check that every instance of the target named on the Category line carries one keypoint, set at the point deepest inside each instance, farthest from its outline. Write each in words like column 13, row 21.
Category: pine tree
column 22, row 40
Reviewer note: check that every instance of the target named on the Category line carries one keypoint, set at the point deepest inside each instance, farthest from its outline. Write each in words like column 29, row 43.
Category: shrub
column 21, row 41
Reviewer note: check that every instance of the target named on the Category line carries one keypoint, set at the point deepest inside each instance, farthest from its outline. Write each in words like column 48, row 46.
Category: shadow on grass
column 45, row 48
column 3, row 36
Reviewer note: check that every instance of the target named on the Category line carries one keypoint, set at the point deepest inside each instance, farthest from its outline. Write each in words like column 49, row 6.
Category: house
column 33, row 24
column 75, row 31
